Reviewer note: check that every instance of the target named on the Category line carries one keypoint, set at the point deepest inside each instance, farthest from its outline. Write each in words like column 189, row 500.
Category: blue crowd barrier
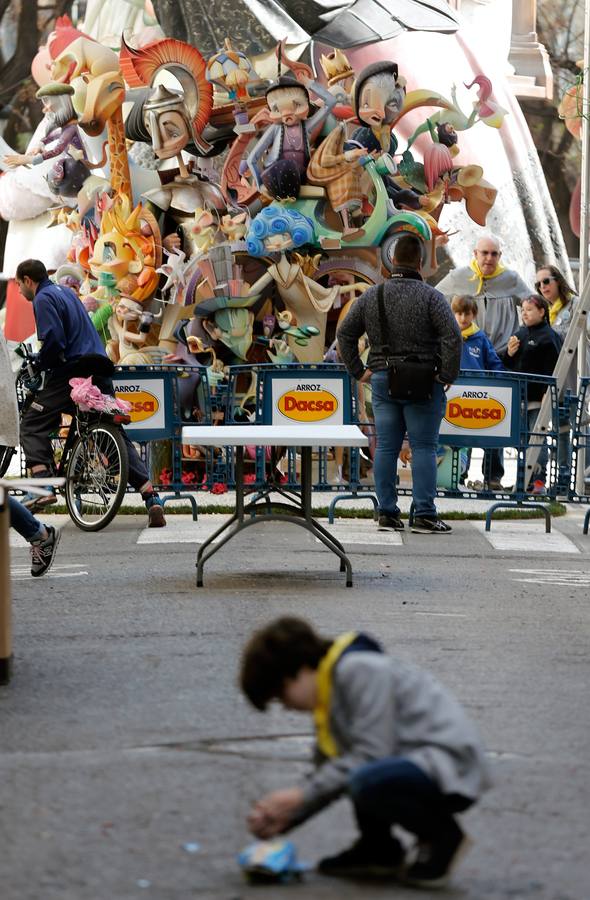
column 580, row 451
column 484, row 410
column 164, row 398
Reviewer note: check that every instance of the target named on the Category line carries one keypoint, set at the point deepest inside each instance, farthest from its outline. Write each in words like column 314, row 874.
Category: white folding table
column 294, row 507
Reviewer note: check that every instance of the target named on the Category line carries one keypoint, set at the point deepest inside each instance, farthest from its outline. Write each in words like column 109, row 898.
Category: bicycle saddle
column 93, row 364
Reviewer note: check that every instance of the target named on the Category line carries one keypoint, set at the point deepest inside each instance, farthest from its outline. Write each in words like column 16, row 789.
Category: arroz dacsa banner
column 475, row 409
column 304, row 401
column 147, row 401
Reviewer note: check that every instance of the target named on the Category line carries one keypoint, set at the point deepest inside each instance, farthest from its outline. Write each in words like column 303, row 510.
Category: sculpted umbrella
column 257, row 26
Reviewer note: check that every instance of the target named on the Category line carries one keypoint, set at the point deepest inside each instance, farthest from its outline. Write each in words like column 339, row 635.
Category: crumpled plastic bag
column 271, row 861
column 89, row 398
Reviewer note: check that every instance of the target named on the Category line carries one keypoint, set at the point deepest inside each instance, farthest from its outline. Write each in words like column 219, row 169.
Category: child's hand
column 272, row 814
column 259, row 823
column 513, row 345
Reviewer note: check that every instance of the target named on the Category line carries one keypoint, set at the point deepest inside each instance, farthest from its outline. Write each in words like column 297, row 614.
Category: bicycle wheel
column 96, row 477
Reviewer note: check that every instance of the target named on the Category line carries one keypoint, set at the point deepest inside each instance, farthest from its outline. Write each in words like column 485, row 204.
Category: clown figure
column 286, row 144
column 379, row 95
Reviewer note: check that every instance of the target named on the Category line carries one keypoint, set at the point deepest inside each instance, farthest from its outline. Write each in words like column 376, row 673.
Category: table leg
column 240, row 483
column 306, row 482
column 203, row 556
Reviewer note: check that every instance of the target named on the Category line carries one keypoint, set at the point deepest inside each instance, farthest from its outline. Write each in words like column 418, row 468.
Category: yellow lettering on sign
column 471, row 412
column 305, row 406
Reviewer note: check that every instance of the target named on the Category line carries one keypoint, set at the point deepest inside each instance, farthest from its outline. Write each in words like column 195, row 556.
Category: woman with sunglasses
column 534, row 350
column 551, row 284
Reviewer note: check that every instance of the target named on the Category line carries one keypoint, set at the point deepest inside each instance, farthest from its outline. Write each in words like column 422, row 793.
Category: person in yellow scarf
column 551, row 284
column 388, row 735
column 499, row 292
column 478, row 353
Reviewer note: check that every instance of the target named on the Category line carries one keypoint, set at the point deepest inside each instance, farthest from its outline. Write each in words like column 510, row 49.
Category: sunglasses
column 544, row 281
column 488, row 252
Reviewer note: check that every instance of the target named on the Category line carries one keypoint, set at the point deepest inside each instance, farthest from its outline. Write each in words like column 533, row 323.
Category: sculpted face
column 288, row 105
column 113, row 254
column 169, row 133
column 487, row 253
column 278, row 242
column 380, row 100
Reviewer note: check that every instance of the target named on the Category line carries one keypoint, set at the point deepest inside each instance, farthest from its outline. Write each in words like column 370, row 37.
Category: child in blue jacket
column 478, row 351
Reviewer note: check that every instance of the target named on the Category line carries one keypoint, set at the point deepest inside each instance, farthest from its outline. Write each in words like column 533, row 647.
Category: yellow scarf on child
column 554, row 310
column 471, row 329
column 321, row 713
column 479, row 276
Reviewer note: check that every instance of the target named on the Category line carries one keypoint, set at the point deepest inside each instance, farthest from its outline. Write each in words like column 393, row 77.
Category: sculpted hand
column 354, row 154
column 18, row 159
column 171, row 242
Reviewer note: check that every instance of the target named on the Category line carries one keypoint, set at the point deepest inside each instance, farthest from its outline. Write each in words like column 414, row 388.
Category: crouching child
column 388, row 735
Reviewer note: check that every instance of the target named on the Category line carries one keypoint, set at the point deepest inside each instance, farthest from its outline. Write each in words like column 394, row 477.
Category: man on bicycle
column 66, row 335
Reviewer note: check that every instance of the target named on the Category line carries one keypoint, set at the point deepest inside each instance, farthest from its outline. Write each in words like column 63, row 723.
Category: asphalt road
column 123, row 737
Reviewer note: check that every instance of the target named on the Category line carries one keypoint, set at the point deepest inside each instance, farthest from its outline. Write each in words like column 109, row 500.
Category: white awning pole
column 584, row 217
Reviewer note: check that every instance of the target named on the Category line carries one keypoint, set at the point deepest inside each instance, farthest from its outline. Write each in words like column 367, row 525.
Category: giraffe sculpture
column 94, row 72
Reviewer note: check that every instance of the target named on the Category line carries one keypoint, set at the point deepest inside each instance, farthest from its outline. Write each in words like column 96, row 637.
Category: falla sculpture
column 274, row 201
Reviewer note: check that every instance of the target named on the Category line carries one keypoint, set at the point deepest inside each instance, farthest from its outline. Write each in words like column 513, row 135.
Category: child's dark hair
column 464, row 304
column 540, row 303
column 276, row 652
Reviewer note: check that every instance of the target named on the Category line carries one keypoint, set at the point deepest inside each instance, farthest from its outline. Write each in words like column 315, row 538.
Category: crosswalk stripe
column 574, row 574
column 352, row 534
column 556, row 581
column 514, row 535
column 571, row 578
column 182, row 530
column 525, row 537
column 25, row 576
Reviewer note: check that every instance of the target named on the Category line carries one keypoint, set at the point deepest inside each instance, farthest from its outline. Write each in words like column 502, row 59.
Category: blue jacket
column 63, row 326
column 478, row 353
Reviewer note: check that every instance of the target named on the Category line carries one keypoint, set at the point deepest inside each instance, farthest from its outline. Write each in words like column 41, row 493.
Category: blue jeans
column 421, row 421
column 23, row 520
column 395, row 791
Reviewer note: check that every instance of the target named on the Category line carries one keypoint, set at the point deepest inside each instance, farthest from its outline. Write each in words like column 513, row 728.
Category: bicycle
column 94, row 459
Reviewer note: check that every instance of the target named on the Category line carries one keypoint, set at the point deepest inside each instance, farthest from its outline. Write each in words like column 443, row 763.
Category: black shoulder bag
column 410, row 377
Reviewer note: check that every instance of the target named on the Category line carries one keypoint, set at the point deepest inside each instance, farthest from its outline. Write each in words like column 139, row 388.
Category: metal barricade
column 489, row 410
column 297, row 393
column 164, row 398
column 492, row 410
column 581, row 449
column 484, row 410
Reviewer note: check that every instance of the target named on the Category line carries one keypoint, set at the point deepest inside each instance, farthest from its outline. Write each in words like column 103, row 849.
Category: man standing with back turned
column 419, row 323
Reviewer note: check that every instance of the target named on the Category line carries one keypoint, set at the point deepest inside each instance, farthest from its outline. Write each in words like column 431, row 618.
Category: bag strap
column 383, row 322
